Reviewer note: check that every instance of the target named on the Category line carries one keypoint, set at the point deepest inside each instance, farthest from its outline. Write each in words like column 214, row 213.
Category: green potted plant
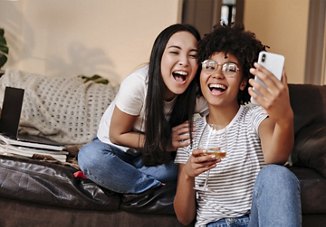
column 4, row 50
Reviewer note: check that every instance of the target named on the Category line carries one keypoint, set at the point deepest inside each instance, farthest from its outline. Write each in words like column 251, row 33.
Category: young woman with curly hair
column 249, row 187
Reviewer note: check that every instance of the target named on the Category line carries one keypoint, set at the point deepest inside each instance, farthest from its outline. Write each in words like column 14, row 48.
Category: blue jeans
column 118, row 171
column 231, row 222
column 276, row 201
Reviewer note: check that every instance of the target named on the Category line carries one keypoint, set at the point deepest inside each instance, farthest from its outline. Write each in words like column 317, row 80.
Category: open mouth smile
column 216, row 88
column 180, row 76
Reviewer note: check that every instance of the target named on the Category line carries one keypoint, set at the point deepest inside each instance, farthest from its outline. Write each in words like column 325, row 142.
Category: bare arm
column 276, row 132
column 185, row 198
column 121, row 130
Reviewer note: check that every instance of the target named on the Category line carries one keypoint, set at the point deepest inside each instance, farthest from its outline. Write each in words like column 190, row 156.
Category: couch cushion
column 51, row 184
column 313, row 188
column 310, row 148
column 309, row 105
column 153, row 201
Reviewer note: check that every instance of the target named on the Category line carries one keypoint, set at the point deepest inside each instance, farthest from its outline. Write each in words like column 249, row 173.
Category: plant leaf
column 3, row 60
column 3, row 41
column 4, row 49
column 96, row 78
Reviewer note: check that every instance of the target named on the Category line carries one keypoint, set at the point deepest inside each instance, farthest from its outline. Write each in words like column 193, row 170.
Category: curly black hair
column 236, row 41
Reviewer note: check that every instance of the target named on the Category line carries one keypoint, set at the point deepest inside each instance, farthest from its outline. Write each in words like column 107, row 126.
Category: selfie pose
column 236, row 177
column 149, row 118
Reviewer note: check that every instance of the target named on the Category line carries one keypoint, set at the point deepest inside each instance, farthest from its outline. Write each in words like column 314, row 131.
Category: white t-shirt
column 233, row 178
column 131, row 99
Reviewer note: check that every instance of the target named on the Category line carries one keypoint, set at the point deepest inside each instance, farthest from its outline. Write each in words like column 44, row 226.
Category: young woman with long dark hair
column 149, row 119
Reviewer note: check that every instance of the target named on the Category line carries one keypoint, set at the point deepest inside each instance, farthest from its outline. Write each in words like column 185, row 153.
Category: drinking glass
column 212, row 143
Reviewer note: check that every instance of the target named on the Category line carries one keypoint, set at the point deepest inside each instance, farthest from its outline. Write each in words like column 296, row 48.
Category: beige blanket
column 64, row 109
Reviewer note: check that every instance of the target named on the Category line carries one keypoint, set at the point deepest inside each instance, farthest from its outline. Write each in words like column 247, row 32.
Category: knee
column 87, row 157
column 278, row 173
column 277, row 176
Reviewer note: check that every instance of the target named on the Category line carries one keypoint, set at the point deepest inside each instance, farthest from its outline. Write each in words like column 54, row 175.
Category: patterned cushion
column 64, row 109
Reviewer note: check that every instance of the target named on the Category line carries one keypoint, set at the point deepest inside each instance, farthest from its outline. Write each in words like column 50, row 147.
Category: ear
column 243, row 84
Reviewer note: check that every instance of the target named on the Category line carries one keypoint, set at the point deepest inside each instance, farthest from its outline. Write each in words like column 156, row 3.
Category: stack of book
column 31, row 149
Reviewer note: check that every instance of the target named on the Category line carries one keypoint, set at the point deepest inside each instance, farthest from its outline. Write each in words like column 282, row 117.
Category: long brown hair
column 157, row 128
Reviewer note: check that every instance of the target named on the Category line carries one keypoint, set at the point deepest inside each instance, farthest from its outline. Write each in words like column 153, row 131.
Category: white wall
column 72, row 37
column 282, row 25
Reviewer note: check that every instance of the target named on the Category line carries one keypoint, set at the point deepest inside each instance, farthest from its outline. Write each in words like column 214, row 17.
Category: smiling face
column 218, row 88
column 179, row 64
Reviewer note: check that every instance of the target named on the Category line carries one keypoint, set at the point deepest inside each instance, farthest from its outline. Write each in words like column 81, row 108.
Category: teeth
column 218, row 86
column 183, row 73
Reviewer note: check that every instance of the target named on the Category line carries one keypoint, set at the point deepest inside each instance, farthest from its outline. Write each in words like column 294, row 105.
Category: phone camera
column 263, row 58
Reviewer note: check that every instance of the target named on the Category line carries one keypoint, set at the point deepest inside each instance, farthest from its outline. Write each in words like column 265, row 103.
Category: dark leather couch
column 38, row 193
column 309, row 153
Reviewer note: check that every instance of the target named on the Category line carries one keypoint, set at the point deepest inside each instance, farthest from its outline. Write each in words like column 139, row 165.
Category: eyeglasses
column 229, row 69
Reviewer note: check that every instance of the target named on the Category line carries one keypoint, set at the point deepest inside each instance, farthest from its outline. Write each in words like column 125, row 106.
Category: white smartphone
column 273, row 63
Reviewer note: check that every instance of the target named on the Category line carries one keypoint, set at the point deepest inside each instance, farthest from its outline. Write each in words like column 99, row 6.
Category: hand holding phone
column 273, row 63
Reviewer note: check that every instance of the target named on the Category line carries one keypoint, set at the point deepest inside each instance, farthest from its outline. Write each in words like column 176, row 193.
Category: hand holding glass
column 210, row 142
